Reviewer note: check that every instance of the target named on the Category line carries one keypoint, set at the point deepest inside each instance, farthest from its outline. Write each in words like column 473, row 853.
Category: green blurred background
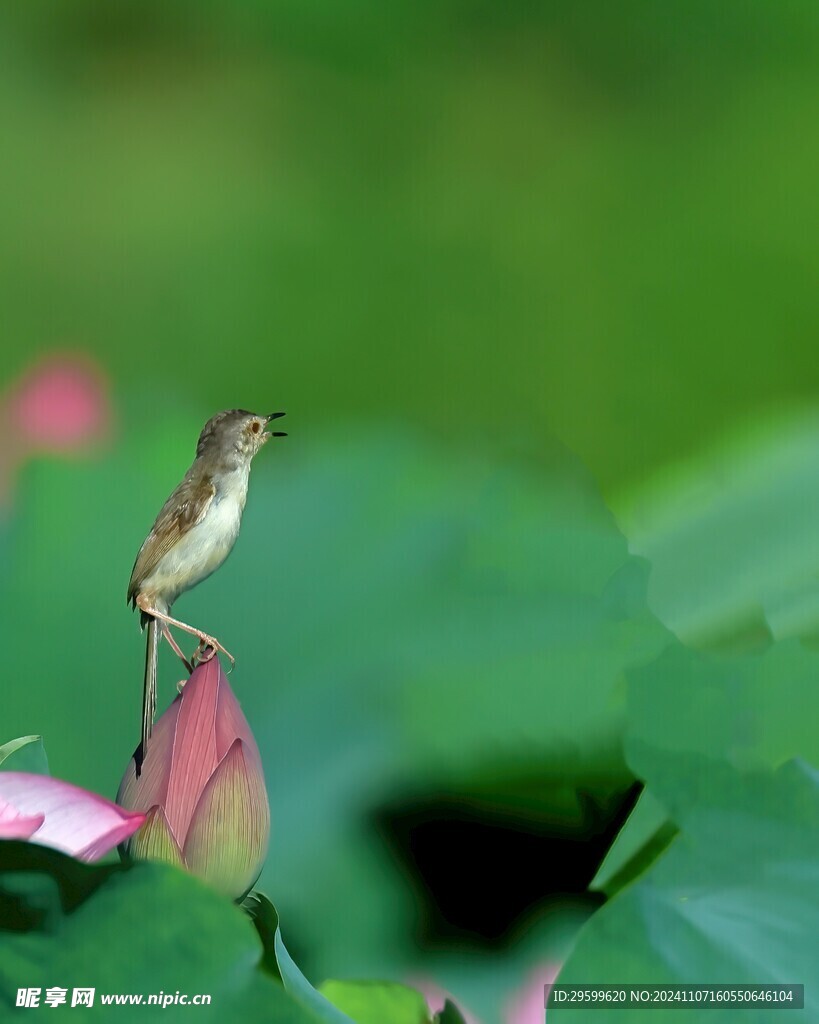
column 456, row 242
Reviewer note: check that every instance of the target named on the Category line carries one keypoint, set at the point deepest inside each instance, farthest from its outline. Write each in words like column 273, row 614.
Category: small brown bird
column 193, row 534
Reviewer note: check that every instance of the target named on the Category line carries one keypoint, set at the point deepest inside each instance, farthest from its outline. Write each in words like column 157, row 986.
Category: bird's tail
column 148, row 690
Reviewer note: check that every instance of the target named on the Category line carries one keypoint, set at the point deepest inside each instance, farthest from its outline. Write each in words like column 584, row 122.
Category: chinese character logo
column 82, row 997
column 55, row 996
column 28, row 996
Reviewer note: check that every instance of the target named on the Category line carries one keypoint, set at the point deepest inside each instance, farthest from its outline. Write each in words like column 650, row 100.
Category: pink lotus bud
column 54, row 813
column 202, row 788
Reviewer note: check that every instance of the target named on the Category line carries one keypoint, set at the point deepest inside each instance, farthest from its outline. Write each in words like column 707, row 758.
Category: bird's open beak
column 274, row 433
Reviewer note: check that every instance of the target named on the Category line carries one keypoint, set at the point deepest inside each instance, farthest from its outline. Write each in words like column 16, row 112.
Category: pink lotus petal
column 60, row 404
column 231, row 723
column 151, row 788
column 436, row 997
column 228, row 835
column 14, row 825
column 77, row 822
column 194, row 746
column 526, row 1006
column 102, row 844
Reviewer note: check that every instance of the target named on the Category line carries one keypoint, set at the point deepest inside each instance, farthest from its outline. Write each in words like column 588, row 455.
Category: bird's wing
column 187, row 506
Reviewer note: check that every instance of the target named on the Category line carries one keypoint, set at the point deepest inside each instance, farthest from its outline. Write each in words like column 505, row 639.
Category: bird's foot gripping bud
column 208, row 648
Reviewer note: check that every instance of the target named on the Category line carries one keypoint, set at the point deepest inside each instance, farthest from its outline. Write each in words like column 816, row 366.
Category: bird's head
column 236, row 433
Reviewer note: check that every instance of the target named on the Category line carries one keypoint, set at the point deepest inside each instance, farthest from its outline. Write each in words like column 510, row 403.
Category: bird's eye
column 255, row 427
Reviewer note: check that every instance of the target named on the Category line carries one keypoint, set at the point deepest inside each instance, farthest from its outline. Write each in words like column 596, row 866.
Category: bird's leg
column 204, row 639
column 166, row 632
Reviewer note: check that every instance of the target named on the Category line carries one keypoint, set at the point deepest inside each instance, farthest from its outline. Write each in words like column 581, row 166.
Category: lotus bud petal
column 202, row 788
column 227, row 840
column 155, row 840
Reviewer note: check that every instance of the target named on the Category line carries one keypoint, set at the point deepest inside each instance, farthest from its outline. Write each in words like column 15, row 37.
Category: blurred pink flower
column 54, row 813
column 202, row 788
column 436, row 997
column 527, row 1005
column 58, row 404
